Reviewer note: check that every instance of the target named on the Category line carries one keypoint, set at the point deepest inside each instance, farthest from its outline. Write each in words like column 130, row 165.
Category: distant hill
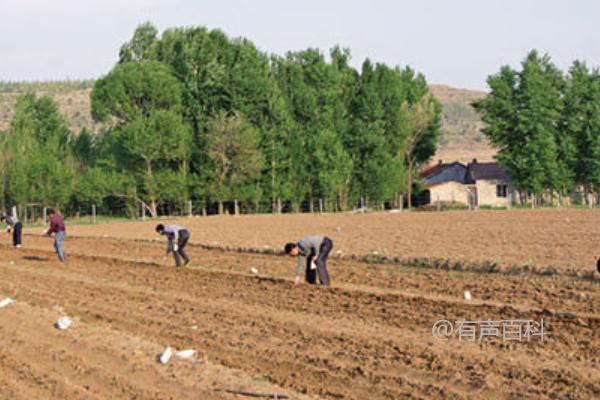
column 461, row 138
column 73, row 98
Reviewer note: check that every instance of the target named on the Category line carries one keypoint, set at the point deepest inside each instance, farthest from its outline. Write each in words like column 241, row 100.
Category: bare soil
column 564, row 239
column 367, row 337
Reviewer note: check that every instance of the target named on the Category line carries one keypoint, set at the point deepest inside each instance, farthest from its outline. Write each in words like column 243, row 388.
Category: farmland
column 368, row 336
column 566, row 239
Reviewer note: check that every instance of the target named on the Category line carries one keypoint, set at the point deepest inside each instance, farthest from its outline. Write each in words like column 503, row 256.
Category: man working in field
column 312, row 253
column 177, row 238
column 57, row 226
column 15, row 225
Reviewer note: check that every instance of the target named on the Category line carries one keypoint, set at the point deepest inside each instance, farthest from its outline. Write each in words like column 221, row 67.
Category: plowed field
column 369, row 336
column 565, row 239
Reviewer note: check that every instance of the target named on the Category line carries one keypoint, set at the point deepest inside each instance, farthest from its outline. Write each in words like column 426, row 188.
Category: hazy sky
column 457, row 42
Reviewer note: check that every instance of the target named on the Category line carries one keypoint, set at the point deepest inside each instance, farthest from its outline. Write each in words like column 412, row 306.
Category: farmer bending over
column 15, row 225
column 311, row 249
column 177, row 238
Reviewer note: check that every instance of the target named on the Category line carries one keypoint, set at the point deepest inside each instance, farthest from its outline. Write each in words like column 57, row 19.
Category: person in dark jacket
column 13, row 224
column 57, row 226
column 177, row 239
column 312, row 253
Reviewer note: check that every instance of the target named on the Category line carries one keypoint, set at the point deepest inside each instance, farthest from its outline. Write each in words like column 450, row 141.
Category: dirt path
column 367, row 337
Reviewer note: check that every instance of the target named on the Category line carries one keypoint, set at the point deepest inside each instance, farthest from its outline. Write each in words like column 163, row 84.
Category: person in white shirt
column 177, row 239
column 13, row 224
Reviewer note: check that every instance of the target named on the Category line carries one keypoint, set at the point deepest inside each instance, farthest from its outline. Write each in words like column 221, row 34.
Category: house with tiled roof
column 475, row 184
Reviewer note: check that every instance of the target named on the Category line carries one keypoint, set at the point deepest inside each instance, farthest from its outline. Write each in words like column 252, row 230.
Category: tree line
column 194, row 114
column 545, row 125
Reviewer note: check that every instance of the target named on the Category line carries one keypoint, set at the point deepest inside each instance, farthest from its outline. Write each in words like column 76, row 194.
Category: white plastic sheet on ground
column 166, row 355
column 63, row 323
column 6, row 302
column 185, row 354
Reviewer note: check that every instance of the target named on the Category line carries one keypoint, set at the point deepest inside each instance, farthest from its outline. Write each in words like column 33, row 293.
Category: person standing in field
column 13, row 224
column 312, row 253
column 57, row 226
column 177, row 239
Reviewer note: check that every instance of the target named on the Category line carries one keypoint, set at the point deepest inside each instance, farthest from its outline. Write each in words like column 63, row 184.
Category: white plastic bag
column 313, row 266
column 185, row 354
column 468, row 295
column 254, row 271
column 166, row 355
column 63, row 323
column 6, row 302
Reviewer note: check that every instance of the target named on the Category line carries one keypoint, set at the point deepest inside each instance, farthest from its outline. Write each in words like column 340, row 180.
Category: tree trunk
column 150, row 188
column 295, row 206
column 220, row 207
column 184, row 169
column 409, row 184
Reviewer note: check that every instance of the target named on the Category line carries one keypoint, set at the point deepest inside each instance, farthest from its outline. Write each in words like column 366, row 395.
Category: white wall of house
column 449, row 191
column 487, row 193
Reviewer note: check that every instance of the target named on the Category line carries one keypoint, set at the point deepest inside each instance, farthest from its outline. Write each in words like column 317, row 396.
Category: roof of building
column 440, row 165
column 485, row 171
column 466, row 174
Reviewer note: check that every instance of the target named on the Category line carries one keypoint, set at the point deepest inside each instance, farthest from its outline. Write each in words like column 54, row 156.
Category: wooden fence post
column 190, row 209
column 93, row 213
column 236, row 208
column 143, row 211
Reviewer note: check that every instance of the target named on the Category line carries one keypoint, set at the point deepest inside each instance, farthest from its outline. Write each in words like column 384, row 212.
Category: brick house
column 477, row 184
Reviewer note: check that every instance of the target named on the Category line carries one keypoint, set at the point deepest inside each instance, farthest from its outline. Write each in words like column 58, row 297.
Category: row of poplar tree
column 193, row 114
column 545, row 125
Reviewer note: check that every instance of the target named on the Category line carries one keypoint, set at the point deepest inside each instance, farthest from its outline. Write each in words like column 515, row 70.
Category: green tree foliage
column 422, row 132
column 36, row 162
column 532, row 118
column 143, row 103
column 374, row 163
column 141, row 44
column 235, row 158
column 192, row 113
column 582, row 124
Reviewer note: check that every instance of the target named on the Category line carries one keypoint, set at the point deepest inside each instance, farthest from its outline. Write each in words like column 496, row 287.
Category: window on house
column 501, row 190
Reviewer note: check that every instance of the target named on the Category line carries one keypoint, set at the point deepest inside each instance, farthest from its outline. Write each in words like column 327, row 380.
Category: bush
column 445, row 206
